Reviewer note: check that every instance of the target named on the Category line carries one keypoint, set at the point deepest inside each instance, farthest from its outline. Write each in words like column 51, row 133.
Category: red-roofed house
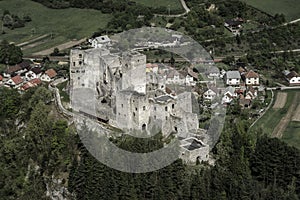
column 252, row 78
column 32, row 83
column 49, row 75
column 15, row 81
column 1, row 79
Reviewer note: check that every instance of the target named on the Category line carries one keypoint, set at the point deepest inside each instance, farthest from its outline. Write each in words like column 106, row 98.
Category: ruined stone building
column 130, row 97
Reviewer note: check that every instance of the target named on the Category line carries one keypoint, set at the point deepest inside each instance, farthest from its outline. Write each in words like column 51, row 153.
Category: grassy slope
column 291, row 8
column 273, row 116
column 174, row 4
column 292, row 134
column 66, row 24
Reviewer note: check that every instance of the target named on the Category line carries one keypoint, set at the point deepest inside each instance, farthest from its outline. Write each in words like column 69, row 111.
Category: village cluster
column 26, row 75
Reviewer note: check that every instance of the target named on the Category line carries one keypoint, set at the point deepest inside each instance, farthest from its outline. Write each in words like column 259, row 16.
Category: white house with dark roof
column 100, row 42
column 233, row 78
column 213, row 72
column 210, row 94
column 293, row 78
column 229, row 95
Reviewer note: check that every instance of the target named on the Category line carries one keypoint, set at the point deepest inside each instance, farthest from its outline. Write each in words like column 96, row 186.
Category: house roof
column 25, row 64
column 173, row 73
column 35, row 81
column 17, row 79
column 36, row 70
column 12, row 69
column 1, row 78
column 251, row 74
column 233, row 74
column 213, row 88
column 230, row 89
column 192, row 73
column 150, row 65
column 212, row 70
column 292, row 74
column 51, row 73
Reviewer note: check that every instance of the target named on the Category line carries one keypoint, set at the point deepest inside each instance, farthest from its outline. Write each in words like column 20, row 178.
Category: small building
column 244, row 103
column 15, row 82
column 1, row 79
column 100, row 42
column 49, row 75
column 251, row 78
column 151, row 67
column 293, row 78
column 213, row 72
column 211, row 93
column 32, row 83
column 229, row 95
column 33, row 73
column 234, row 25
column 251, row 93
column 174, row 77
column 233, row 78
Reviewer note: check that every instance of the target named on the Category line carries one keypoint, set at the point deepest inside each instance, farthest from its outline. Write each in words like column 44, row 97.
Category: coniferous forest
column 247, row 166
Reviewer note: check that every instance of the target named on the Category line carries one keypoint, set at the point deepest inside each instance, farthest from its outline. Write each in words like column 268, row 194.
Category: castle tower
column 134, row 72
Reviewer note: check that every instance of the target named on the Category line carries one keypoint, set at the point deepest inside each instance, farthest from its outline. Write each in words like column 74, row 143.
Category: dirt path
column 280, row 128
column 296, row 116
column 60, row 47
column 33, row 40
column 280, row 100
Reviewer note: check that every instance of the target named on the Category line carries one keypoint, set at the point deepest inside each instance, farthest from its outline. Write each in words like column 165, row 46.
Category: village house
column 15, row 82
column 151, row 67
column 49, row 75
column 251, row 93
column 174, row 77
column 33, row 73
column 32, row 83
column 213, row 72
column 293, row 78
column 11, row 71
column 251, row 78
column 233, row 78
column 244, row 102
column 234, row 25
column 100, row 42
column 1, row 79
column 229, row 95
column 211, row 93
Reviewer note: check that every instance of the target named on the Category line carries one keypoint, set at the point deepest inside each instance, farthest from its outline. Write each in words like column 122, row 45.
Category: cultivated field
column 64, row 24
column 172, row 4
column 273, row 116
column 280, row 100
column 296, row 116
column 282, row 125
column 290, row 8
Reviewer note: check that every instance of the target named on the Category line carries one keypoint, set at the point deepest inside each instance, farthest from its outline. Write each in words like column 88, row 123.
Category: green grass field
column 290, row 8
column 174, row 4
column 64, row 24
column 273, row 116
column 292, row 134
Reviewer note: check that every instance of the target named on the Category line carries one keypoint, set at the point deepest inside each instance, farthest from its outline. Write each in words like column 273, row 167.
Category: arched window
column 144, row 127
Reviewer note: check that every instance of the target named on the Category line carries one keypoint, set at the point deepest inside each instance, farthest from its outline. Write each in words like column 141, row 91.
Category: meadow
column 292, row 134
column 63, row 24
column 273, row 116
column 172, row 4
column 290, row 8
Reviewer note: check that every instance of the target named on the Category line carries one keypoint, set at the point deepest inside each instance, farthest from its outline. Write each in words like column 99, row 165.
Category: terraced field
column 63, row 25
